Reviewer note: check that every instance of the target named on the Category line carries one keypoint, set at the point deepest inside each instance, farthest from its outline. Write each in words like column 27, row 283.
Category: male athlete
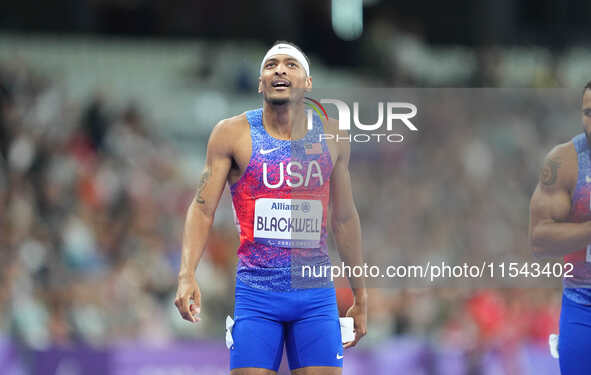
column 283, row 178
column 560, row 225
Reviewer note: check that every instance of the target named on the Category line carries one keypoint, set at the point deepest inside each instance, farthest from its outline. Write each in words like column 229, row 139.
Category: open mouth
column 281, row 83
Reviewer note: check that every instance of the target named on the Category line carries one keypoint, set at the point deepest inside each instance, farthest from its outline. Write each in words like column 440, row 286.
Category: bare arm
column 346, row 230
column 549, row 234
column 199, row 219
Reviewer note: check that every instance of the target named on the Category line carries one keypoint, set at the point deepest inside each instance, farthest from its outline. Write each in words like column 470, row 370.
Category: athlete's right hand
column 188, row 291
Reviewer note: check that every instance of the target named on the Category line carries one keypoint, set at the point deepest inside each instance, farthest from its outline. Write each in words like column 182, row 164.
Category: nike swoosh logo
column 340, row 356
column 265, row 152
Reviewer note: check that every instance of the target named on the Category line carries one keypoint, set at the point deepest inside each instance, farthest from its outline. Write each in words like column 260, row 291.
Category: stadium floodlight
column 347, row 18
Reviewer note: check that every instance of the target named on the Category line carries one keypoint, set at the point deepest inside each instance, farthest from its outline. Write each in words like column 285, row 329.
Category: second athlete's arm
column 550, row 205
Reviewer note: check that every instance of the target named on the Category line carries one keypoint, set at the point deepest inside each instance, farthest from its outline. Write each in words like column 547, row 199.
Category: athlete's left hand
column 359, row 314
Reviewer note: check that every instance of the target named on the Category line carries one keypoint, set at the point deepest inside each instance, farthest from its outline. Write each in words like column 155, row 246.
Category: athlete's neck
column 285, row 121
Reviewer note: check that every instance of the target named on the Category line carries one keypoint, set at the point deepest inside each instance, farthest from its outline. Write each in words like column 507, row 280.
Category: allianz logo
column 305, row 206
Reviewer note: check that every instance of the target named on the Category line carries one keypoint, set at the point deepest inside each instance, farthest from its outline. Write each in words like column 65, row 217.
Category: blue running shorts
column 306, row 321
column 574, row 340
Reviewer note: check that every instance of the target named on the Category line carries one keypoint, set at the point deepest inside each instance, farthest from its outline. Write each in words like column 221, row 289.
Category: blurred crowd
column 458, row 191
column 92, row 206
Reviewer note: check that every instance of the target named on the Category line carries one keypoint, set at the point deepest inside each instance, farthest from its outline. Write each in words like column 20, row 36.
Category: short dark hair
column 294, row 46
column 587, row 87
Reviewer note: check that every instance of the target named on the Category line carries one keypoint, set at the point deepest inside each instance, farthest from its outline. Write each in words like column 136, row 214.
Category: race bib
column 293, row 223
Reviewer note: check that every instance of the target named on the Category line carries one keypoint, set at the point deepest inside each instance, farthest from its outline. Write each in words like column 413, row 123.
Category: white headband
column 286, row 49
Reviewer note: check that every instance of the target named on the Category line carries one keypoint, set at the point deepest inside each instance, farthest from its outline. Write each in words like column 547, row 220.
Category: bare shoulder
column 332, row 127
column 231, row 126
column 560, row 168
column 228, row 131
column 337, row 140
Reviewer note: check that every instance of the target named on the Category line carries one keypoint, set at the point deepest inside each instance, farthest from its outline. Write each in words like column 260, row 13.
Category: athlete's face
column 283, row 79
column 586, row 112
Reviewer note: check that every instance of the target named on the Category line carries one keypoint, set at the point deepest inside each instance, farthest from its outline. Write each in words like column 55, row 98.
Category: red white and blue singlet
column 574, row 349
column 281, row 204
column 578, row 288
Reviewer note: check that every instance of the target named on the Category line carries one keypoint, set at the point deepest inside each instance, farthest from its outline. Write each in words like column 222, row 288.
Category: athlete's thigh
column 574, row 345
column 258, row 337
column 252, row 371
column 258, row 343
column 314, row 340
column 317, row 370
